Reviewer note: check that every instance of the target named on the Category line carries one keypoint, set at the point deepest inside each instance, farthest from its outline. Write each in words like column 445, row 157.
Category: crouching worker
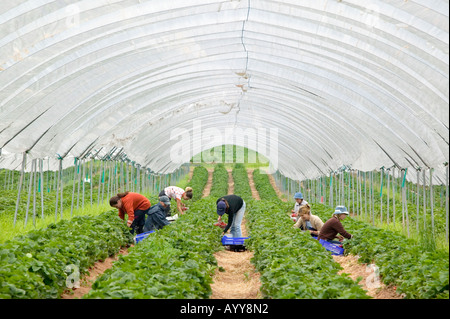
column 156, row 215
column 333, row 227
column 308, row 221
column 135, row 206
column 299, row 202
column 234, row 206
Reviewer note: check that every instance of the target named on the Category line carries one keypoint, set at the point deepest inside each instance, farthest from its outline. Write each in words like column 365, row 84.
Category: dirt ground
column 236, row 277
column 275, row 187
column 230, row 182
column 207, row 189
column 95, row 271
column 370, row 279
column 255, row 193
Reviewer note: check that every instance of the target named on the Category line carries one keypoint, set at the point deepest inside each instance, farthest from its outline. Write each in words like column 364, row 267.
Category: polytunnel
column 318, row 130
column 311, row 84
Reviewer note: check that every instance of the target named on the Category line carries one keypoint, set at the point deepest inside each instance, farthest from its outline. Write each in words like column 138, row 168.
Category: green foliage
column 198, row 182
column 292, row 264
column 263, row 186
column 175, row 262
column 241, row 184
column 416, row 271
column 34, row 265
column 219, row 182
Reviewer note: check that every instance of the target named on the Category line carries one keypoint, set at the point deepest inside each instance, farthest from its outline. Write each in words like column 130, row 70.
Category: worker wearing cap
column 299, row 202
column 156, row 215
column 234, row 206
column 333, row 227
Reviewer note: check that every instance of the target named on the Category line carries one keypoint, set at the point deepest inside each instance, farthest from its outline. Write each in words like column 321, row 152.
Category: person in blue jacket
column 156, row 215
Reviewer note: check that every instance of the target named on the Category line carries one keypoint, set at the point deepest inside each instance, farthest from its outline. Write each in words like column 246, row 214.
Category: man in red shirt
column 135, row 206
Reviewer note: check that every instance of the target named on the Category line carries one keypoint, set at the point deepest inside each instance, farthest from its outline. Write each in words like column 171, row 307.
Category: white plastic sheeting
column 311, row 84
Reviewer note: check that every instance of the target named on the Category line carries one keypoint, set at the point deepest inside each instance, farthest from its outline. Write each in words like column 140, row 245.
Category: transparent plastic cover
column 311, row 84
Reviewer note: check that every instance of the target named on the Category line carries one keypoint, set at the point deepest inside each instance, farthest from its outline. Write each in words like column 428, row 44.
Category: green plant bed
column 416, row 271
column 241, row 183
column 292, row 264
column 174, row 262
column 34, row 265
column 219, row 182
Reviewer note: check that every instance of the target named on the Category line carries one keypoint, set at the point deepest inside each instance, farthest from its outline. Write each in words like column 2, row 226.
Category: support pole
column 24, row 162
column 41, row 167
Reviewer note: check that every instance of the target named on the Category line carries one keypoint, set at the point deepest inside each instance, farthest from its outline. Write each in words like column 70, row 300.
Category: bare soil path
column 255, row 193
column 236, row 277
column 230, row 182
column 94, row 272
column 370, row 279
column 207, row 189
column 277, row 190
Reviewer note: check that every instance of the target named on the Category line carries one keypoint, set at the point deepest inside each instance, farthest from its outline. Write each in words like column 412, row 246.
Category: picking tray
column 142, row 236
column 233, row 240
column 335, row 249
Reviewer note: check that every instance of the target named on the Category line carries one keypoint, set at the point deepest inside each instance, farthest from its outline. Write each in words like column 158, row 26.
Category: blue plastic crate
column 142, row 236
column 233, row 240
column 335, row 249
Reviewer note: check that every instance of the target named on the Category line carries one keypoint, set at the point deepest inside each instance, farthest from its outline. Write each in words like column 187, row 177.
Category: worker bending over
column 156, row 215
column 333, row 227
column 308, row 221
column 234, row 206
column 177, row 193
column 135, row 206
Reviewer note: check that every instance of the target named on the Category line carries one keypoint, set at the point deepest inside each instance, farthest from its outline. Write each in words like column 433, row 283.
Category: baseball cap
column 165, row 200
column 221, row 207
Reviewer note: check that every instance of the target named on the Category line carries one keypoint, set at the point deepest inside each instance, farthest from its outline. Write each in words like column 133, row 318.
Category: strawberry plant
column 174, row 262
column 291, row 263
column 263, row 186
column 241, row 184
column 34, row 265
column 416, row 271
column 198, row 182
column 219, row 182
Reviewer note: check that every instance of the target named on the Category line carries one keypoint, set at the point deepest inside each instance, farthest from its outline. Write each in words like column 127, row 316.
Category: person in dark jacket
column 156, row 215
column 333, row 227
column 234, row 206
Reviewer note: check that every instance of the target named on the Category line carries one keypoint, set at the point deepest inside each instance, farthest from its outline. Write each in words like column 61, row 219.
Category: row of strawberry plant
column 241, row 183
column 220, row 181
column 38, row 264
column 174, row 262
column 198, row 182
column 291, row 263
column 417, row 272
column 263, row 185
column 402, row 262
